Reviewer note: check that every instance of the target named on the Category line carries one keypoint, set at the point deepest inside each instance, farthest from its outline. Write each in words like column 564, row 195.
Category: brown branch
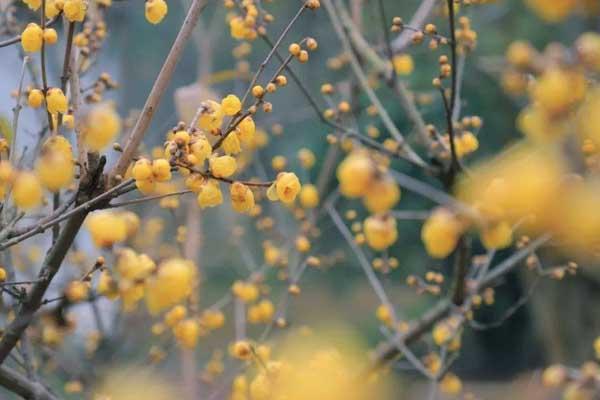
column 449, row 108
column 461, row 268
column 66, row 65
column 43, row 64
column 442, row 309
column 159, row 88
column 22, row 386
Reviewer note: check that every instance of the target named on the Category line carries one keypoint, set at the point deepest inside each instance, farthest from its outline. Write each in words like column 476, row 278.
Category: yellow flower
column 355, row 174
column 231, row 105
column 27, row 191
column 75, row 10
column 588, row 117
column 597, row 347
column 156, row 10
column 520, row 54
column 52, row 8
column 161, row 170
column 241, row 350
column 382, row 196
column 287, row 186
column 539, row 126
column 552, row 10
column 246, row 130
column 466, row 143
column 554, row 376
column 107, row 286
column 212, row 319
column 210, row 195
column 56, row 101
column 302, row 244
column 588, row 49
column 309, row 196
column 77, row 291
column 272, row 254
column 35, row 98
column 450, row 384
column 231, row 144
column 260, row 387
column 69, row 121
column 100, row 126
column 32, row 38
column 523, row 182
column 380, row 231
column 307, row 158
column 200, row 148
column 242, row 198
column 239, row 30
column 211, row 117
column 247, row 292
column 278, row 162
column 262, row 312
column 106, row 228
column 440, row 233
column 33, row 4
column 55, row 170
column 170, row 285
column 443, row 332
column 384, row 314
column 134, row 266
column 497, row 235
column 187, row 333
column 403, row 64
column 147, row 186
column 142, row 169
column 556, row 90
column 50, row 36
column 194, row 182
column 222, row 166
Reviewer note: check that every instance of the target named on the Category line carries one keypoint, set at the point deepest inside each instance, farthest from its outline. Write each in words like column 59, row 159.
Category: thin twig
column 148, row 198
column 417, row 21
column 364, row 263
column 17, row 111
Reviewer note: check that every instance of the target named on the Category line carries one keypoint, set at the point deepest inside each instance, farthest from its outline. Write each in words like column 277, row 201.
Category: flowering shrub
column 89, row 175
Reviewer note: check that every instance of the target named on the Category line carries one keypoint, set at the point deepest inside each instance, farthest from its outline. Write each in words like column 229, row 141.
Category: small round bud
column 258, row 91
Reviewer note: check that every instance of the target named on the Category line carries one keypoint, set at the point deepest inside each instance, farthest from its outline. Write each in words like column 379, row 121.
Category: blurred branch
column 17, row 111
column 384, row 67
column 22, row 386
column 449, row 108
